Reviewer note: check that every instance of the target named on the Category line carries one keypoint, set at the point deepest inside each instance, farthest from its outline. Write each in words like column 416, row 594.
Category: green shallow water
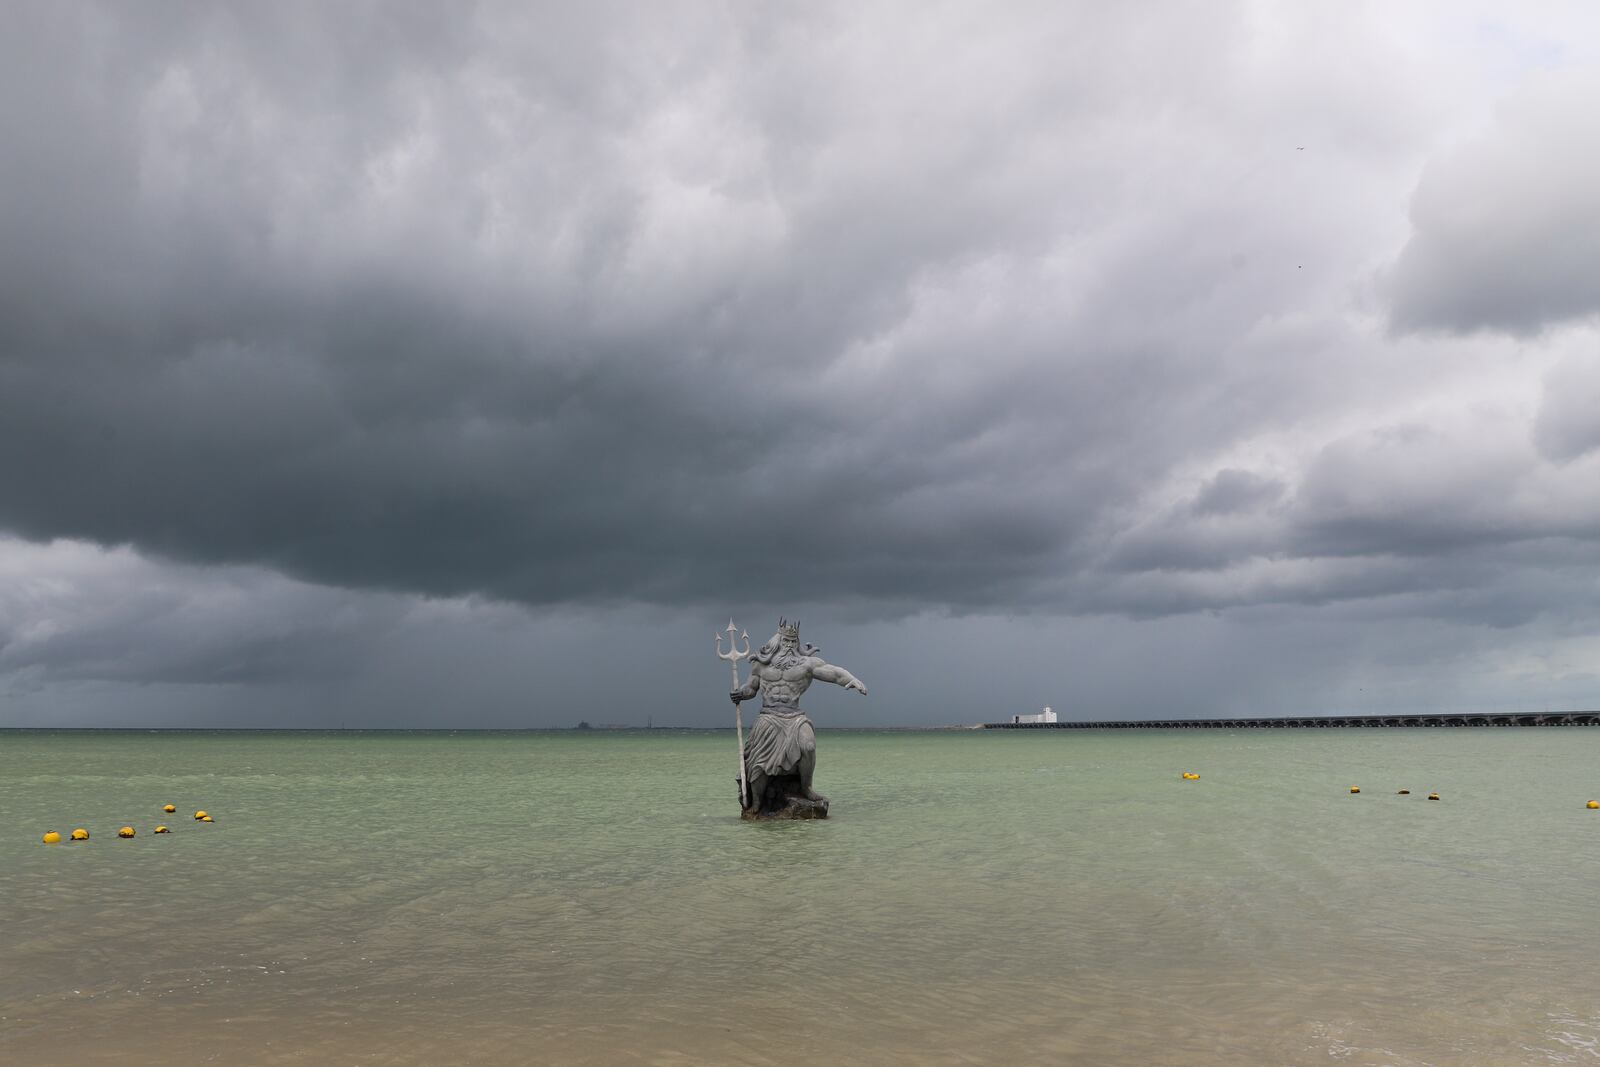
column 1000, row 897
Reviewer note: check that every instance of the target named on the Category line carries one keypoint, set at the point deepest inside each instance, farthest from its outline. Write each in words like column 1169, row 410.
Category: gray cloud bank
column 1508, row 224
column 887, row 309
column 99, row 637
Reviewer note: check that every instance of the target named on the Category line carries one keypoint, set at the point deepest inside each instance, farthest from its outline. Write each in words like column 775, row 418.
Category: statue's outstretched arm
column 827, row 672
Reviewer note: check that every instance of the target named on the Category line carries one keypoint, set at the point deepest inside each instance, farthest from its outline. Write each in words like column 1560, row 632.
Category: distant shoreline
column 1479, row 720
column 447, row 729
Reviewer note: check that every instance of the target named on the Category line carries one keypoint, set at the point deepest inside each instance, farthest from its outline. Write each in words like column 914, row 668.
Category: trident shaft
column 733, row 656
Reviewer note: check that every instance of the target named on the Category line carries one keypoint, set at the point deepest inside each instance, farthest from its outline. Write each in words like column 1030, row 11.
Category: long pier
column 1548, row 718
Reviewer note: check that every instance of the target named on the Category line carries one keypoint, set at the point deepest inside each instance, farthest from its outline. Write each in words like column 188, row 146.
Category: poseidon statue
column 781, row 753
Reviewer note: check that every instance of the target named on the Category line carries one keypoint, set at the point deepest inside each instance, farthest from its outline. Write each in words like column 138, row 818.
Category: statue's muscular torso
column 784, row 679
column 791, row 673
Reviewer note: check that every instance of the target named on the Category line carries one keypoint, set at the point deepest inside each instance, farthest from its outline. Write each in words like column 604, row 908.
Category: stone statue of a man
column 780, row 755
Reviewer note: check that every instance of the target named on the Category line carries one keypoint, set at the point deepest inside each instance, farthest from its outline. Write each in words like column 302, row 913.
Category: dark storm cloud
column 888, row 309
column 547, row 311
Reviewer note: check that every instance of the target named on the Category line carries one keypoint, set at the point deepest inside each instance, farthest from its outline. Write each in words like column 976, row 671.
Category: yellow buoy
column 80, row 834
column 52, row 838
column 170, row 808
column 199, row 815
column 1433, row 796
column 1593, row 804
column 1404, row 793
column 1355, row 789
column 207, row 818
column 1189, row 776
column 162, row 830
column 126, row 831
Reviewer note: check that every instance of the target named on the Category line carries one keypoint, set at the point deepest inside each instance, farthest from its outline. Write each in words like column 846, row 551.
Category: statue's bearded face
column 788, row 636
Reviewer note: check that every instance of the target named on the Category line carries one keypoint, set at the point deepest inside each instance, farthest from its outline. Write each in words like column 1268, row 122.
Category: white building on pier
column 1047, row 715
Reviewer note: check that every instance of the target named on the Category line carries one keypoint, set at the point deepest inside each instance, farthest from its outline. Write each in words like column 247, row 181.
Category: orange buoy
column 162, row 830
column 1355, row 789
column 1593, row 804
column 1433, row 796
column 52, row 838
column 207, row 818
column 169, row 808
column 1403, row 793
column 126, row 831
column 200, row 815
column 80, row 834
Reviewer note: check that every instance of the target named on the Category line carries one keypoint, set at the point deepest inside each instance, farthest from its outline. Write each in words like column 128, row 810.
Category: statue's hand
column 736, row 696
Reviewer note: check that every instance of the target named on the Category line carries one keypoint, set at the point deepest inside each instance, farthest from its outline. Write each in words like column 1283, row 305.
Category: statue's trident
column 733, row 656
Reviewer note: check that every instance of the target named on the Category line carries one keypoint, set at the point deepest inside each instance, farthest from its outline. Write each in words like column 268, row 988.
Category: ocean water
column 977, row 898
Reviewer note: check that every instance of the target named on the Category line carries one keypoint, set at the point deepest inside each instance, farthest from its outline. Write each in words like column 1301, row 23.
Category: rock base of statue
column 782, row 799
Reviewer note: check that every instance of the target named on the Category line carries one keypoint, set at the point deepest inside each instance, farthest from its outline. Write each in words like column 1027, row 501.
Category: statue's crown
column 790, row 630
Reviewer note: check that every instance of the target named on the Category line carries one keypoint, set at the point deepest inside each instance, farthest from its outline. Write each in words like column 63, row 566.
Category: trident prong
column 733, row 655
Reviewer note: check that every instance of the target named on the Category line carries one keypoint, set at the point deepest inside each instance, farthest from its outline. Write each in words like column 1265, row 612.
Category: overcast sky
column 469, row 365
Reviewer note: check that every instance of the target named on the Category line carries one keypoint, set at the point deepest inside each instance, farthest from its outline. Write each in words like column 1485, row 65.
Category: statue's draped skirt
column 777, row 741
